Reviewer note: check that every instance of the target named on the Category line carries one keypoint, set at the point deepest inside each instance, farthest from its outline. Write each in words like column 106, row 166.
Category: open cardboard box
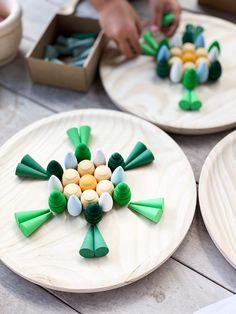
column 65, row 76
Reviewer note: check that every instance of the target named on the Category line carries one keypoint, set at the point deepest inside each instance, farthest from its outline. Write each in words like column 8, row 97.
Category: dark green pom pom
column 54, row 168
column 188, row 37
column 163, row 69
column 215, row 71
column 115, row 161
column 82, row 152
column 93, row 213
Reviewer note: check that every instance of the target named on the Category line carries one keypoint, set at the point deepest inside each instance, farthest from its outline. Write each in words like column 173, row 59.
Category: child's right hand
column 121, row 23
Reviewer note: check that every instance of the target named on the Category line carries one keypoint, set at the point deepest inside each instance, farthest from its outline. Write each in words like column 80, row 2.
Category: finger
column 126, row 49
column 172, row 28
column 134, row 43
column 157, row 18
column 138, row 23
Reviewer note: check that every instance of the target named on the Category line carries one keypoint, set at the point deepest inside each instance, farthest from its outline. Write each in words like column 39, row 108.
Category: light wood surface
column 217, row 195
column 132, row 256
column 134, row 86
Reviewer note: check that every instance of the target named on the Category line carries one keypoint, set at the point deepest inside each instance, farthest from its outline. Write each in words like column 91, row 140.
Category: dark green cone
column 93, row 213
column 82, row 152
column 57, row 202
column 163, row 69
column 215, row 71
column 143, row 159
column 122, row 194
column 87, row 247
column 54, row 168
column 30, row 162
column 136, row 151
column 115, row 161
column 28, row 172
column 74, row 137
column 190, row 79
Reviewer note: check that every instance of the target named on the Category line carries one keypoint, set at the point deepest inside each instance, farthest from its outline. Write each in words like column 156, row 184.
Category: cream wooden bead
column 86, row 167
column 189, row 65
column 202, row 52
column 105, row 186
column 72, row 189
column 188, row 47
column 174, row 60
column 89, row 197
column 70, row 176
column 176, row 52
column 102, row 173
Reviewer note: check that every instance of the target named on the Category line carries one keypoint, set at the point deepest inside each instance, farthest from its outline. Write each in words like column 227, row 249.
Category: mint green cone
column 30, row 214
column 100, row 246
column 150, row 40
column 87, row 247
column 195, row 101
column 30, row 226
column 154, row 202
column 74, row 137
column 151, row 213
column 185, row 102
column 85, row 132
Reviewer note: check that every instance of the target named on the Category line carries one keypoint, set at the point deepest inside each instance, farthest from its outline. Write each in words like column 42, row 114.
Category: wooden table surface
column 195, row 276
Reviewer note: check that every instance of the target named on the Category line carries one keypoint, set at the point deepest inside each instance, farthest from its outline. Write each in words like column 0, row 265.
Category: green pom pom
column 190, row 79
column 188, row 37
column 122, row 194
column 54, row 168
column 215, row 71
column 82, row 152
column 163, row 69
column 93, row 213
column 57, row 202
column 115, row 161
column 214, row 44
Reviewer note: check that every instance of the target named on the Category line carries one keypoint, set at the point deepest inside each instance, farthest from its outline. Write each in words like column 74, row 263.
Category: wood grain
column 134, row 86
column 41, row 258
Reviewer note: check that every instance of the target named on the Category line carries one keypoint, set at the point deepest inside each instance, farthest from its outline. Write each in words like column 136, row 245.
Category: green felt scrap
column 154, row 202
column 30, row 162
column 215, row 71
column 82, row 152
column 85, row 132
column 195, row 101
column 188, row 37
column 214, row 44
column 83, row 35
column 163, row 68
column 100, row 246
column 87, row 247
column 57, row 202
column 143, row 159
column 30, row 226
column 73, row 134
column 54, row 168
column 62, row 50
column 168, row 18
column 150, row 40
column 185, row 102
column 147, row 50
column 28, row 172
column 30, row 214
column 151, row 213
column 122, row 194
column 136, row 151
column 190, row 79
column 93, row 213
column 115, row 161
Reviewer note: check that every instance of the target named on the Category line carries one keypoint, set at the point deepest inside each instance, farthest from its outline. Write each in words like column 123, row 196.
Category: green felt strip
column 168, row 18
column 30, row 226
column 144, row 158
column 85, row 132
column 30, row 162
column 147, row 50
column 28, row 172
column 87, row 247
column 195, row 101
column 150, row 40
column 74, row 137
column 136, row 151
column 100, row 246
column 30, row 214
column 154, row 202
column 185, row 102
column 82, row 152
column 151, row 213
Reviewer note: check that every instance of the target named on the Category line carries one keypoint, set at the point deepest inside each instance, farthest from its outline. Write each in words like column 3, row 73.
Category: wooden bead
column 174, row 60
column 189, row 65
column 89, row 197
column 202, row 52
column 189, row 57
column 72, row 189
column 202, row 59
column 86, row 167
column 188, row 47
column 88, row 182
column 105, row 186
column 176, row 52
column 102, row 173
column 70, row 176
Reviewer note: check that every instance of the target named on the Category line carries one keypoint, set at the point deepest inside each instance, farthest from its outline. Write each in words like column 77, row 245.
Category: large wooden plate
column 217, row 196
column 134, row 86
column 50, row 257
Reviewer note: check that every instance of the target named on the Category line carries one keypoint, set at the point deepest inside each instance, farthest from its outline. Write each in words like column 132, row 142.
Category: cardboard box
column 228, row 6
column 65, row 76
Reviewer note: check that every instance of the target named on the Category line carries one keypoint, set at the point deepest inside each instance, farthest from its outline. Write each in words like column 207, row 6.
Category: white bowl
column 10, row 30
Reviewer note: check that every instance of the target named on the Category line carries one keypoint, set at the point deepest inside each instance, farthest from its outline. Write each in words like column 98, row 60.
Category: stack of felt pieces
column 71, row 50
column 87, row 184
column 185, row 59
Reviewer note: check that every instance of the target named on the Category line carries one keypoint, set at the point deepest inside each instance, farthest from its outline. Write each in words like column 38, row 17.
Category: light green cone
column 143, row 159
column 85, row 132
column 100, row 246
column 151, row 213
column 155, row 202
column 138, row 149
column 30, row 162
column 185, row 102
column 195, row 101
column 150, row 40
column 28, row 172
column 30, row 214
column 74, row 137
column 147, row 50
column 30, row 226
column 87, row 247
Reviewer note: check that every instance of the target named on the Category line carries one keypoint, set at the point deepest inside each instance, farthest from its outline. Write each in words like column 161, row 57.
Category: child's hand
column 159, row 7
column 121, row 23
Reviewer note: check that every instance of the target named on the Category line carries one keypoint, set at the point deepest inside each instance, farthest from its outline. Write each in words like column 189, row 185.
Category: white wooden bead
column 86, row 167
column 70, row 176
column 102, row 173
column 72, row 189
column 105, row 186
column 89, row 197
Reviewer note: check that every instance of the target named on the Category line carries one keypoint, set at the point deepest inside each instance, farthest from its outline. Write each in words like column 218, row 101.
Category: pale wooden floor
column 195, row 276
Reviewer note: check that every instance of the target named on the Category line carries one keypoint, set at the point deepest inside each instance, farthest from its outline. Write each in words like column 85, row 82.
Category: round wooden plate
column 134, row 86
column 217, row 196
column 50, row 257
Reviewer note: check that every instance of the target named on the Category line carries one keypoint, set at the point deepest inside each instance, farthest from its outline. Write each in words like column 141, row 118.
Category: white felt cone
column 118, row 175
column 203, row 72
column 54, row 184
column 213, row 54
column 176, row 41
column 70, row 161
column 176, row 72
column 74, row 206
column 106, row 202
column 99, row 158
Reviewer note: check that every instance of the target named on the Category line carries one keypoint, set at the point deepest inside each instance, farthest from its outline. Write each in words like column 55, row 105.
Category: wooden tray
column 134, row 86
column 50, row 257
column 217, row 196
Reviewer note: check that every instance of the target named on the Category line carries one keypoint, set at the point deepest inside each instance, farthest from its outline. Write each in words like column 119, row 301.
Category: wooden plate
column 217, row 196
column 50, row 257
column 134, row 86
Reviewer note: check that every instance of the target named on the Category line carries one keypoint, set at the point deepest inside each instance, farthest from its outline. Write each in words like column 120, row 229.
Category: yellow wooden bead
column 102, row 173
column 188, row 47
column 189, row 65
column 189, row 57
column 72, row 189
column 86, row 167
column 70, row 176
column 175, row 59
column 202, row 59
column 89, row 197
column 201, row 52
column 105, row 186
column 176, row 52
column 88, row 182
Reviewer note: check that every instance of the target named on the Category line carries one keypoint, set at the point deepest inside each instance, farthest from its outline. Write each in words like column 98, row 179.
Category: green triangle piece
column 150, row 40
column 30, row 214
column 151, row 213
column 147, row 50
column 87, row 247
column 28, row 172
column 138, row 149
column 85, row 132
column 154, row 202
column 30, row 226
column 195, row 101
column 30, row 162
column 143, row 159
column 100, row 246
column 74, row 137
column 185, row 102
column 168, row 18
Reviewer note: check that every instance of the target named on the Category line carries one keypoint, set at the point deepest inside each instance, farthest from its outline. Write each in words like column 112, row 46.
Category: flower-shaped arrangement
column 185, row 59
column 88, row 184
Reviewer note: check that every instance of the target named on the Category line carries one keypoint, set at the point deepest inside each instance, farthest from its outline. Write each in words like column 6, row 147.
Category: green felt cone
column 30, row 214
column 167, row 19
column 30, row 162
column 28, row 172
column 74, row 137
column 85, row 132
column 154, row 202
column 147, row 50
column 150, row 40
column 87, row 247
column 30, row 226
column 185, row 102
column 136, row 151
column 100, row 246
column 195, row 101
column 151, row 213
column 143, row 159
